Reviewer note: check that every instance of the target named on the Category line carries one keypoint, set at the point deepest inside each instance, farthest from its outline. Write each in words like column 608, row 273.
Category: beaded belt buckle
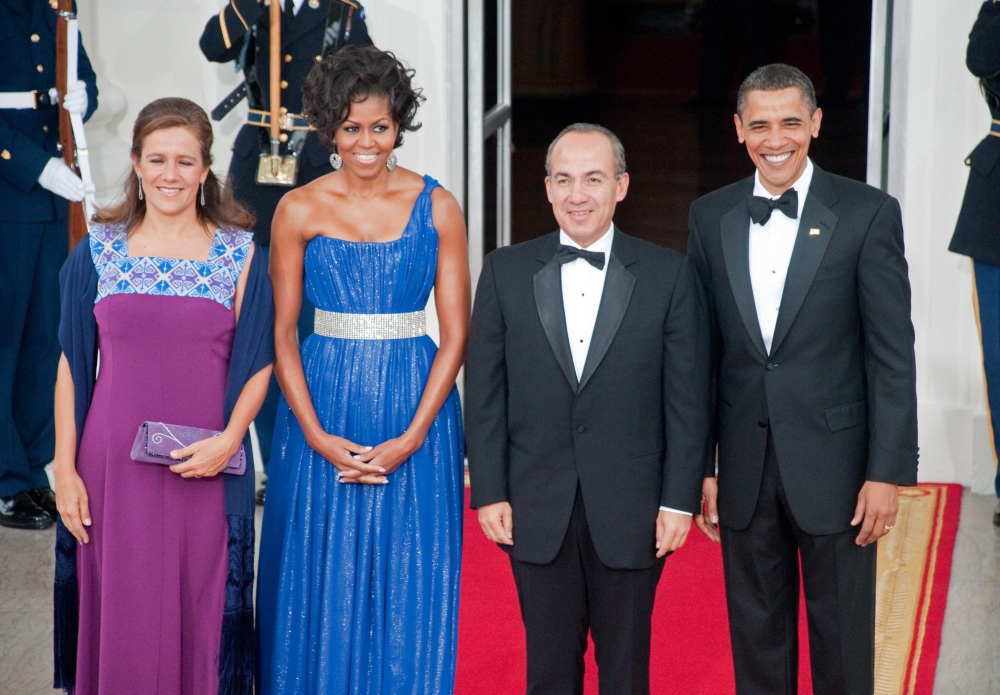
column 332, row 324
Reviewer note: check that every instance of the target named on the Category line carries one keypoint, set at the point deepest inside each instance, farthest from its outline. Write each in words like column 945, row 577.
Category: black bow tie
column 761, row 208
column 567, row 254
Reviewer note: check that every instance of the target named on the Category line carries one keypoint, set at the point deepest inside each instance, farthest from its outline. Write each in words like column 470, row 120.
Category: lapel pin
column 813, row 232
column 314, row 4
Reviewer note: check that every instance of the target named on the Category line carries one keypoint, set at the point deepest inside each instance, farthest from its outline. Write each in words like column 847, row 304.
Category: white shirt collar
column 601, row 245
column 297, row 5
column 801, row 185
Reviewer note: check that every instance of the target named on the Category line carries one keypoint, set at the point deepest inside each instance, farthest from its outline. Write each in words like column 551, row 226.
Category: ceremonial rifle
column 72, row 140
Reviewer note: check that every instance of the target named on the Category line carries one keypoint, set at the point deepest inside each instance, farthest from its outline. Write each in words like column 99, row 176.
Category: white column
column 937, row 117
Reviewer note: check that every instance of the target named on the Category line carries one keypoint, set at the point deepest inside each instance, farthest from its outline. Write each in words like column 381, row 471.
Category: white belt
column 29, row 100
column 332, row 324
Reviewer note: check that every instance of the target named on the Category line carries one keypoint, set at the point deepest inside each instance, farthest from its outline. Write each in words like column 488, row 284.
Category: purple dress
column 152, row 580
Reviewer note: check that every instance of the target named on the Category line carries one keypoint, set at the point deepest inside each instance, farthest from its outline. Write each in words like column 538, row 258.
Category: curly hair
column 220, row 208
column 353, row 74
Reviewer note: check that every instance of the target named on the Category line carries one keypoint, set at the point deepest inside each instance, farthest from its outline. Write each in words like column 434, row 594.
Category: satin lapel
column 735, row 229
column 806, row 254
column 304, row 21
column 548, row 300
column 618, row 287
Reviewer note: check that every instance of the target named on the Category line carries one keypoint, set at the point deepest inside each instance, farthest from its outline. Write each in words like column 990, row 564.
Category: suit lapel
column 735, row 231
column 807, row 252
column 618, row 287
column 549, row 302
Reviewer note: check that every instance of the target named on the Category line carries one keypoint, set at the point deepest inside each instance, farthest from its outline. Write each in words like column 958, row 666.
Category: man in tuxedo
column 816, row 409
column 587, row 416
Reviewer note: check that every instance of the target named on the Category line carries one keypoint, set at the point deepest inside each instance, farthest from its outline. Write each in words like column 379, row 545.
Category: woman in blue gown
column 362, row 537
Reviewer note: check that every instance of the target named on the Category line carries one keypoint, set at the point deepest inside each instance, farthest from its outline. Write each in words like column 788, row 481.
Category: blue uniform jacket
column 977, row 231
column 28, row 137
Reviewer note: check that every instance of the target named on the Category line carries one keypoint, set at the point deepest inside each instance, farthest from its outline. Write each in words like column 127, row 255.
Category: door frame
column 482, row 125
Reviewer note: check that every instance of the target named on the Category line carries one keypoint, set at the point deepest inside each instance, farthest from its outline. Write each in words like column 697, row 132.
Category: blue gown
column 358, row 584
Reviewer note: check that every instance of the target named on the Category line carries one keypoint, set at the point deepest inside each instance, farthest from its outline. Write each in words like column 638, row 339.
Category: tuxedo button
column 581, row 429
column 762, row 423
column 771, row 366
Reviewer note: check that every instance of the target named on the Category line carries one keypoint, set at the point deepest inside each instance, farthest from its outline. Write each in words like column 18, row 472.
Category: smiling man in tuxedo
column 816, row 410
column 587, row 416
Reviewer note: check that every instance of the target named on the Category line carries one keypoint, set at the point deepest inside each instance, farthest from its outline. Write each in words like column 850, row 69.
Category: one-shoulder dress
column 358, row 584
column 152, row 579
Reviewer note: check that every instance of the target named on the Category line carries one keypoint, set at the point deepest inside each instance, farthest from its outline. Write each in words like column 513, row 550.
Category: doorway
column 663, row 75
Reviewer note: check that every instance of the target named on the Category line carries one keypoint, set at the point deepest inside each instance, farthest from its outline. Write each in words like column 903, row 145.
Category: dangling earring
column 203, row 194
column 140, row 187
column 335, row 161
column 390, row 163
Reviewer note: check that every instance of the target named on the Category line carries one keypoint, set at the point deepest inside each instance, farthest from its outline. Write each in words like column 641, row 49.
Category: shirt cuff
column 675, row 511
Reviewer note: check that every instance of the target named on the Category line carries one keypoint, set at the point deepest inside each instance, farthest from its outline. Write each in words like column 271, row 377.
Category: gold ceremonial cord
column 284, row 120
column 225, row 29
column 232, row 3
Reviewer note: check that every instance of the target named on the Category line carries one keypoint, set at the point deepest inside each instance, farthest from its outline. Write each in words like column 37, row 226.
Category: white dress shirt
column 771, row 247
column 296, row 5
column 582, row 289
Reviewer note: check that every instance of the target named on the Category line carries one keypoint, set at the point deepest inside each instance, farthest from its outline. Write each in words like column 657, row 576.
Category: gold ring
column 888, row 527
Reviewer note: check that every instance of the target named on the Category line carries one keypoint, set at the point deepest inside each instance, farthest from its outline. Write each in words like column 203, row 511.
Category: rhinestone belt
column 332, row 324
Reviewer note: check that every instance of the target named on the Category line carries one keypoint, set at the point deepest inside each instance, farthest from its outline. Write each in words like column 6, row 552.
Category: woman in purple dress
column 166, row 287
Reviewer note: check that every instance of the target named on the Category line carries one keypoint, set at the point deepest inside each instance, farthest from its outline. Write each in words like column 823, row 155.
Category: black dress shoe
column 996, row 515
column 46, row 500
column 20, row 511
column 261, row 493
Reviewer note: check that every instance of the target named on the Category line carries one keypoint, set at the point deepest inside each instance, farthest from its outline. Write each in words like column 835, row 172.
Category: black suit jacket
column 977, row 232
column 300, row 46
column 632, row 432
column 838, row 389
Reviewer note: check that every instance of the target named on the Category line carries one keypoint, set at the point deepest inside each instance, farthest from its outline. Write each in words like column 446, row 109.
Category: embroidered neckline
column 215, row 279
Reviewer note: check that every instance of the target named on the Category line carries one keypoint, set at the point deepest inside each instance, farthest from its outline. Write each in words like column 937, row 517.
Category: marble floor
column 968, row 662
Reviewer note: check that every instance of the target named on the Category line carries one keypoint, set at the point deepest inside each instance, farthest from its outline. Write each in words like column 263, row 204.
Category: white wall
column 937, row 117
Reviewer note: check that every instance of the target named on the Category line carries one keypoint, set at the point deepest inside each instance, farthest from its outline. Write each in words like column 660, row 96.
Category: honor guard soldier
column 977, row 232
column 35, row 185
column 270, row 159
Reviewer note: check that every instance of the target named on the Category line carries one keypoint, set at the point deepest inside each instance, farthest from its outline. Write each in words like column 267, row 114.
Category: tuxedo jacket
column 631, row 432
column 838, row 389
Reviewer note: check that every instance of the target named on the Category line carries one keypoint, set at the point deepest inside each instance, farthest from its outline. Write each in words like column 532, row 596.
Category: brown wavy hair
column 220, row 208
column 353, row 74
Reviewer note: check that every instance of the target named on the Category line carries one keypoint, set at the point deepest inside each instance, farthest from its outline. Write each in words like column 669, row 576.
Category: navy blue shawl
column 253, row 349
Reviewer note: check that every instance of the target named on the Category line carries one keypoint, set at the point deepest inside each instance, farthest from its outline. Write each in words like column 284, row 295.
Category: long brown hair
column 220, row 207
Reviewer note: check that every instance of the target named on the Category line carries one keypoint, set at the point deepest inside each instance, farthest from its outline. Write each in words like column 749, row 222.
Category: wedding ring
column 888, row 527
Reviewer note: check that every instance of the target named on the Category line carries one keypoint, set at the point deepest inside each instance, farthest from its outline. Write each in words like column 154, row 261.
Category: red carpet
column 690, row 650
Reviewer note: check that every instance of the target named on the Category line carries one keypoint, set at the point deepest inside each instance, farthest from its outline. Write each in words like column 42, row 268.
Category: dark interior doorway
column 663, row 75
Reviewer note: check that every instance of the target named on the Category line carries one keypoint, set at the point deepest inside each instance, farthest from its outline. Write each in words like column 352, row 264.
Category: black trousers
column 575, row 592
column 761, row 565
column 31, row 254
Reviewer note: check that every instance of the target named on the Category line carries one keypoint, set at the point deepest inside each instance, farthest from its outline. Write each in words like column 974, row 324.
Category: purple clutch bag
column 155, row 440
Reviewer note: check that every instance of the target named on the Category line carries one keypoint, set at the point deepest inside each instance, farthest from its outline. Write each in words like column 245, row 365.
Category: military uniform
column 241, row 32
column 977, row 233
column 245, row 25
column 33, row 244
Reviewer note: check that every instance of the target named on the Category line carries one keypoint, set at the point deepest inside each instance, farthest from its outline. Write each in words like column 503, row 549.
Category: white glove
column 60, row 179
column 76, row 98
